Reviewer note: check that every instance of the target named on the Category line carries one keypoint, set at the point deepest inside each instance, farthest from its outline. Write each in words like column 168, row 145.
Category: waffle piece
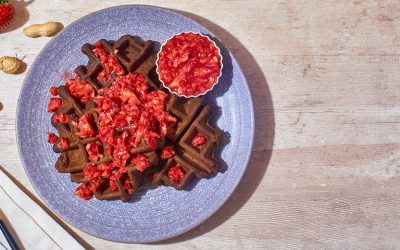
column 104, row 192
column 161, row 177
column 202, row 156
column 75, row 159
column 132, row 52
column 134, row 55
column 69, row 105
column 93, row 68
column 137, row 56
column 79, row 177
column 184, row 110
column 195, row 161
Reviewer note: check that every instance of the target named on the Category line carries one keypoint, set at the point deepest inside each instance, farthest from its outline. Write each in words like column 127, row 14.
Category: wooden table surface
column 324, row 76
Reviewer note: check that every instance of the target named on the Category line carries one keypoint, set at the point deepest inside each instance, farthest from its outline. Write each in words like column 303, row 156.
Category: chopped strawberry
column 52, row 138
column 80, row 89
column 113, row 177
column 128, row 185
column 95, row 184
column 189, row 64
column 140, row 162
column 126, row 103
column 113, row 185
column 121, row 150
column 126, row 94
column 176, row 173
column 120, row 157
column 85, row 126
column 120, row 120
column 199, row 140
column 109, row 61
column 53, row 90
column 167, row 152
column 108, row 135
column 63, row 144
column 60, row 118
column 106, row 170
column 93, row 150
column 84, row 192
column 91, row 172
column 54, row 104
column 94, row 175
column 151, row 140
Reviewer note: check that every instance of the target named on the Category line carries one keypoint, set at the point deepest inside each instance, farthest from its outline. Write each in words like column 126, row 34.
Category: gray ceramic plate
column 158, row 213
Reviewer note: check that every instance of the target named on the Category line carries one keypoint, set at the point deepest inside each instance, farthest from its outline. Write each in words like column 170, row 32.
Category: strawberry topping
column 53, row 90
column 60, row 118
column 110, row 63
column 80, row 89
column 85, row 126
column 189, row 64
column 84, row 192
column 54, row 104
column 94, row 151
column 176, row 173
column 167, row 152
column 140, row 162
column 52, row 138
column 199, row 140
column 63, row 144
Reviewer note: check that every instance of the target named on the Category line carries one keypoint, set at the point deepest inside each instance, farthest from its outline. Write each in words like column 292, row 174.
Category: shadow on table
column 47, row 210
column 263, row 137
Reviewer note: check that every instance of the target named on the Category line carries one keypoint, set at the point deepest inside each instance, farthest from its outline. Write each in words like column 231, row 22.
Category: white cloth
column 35, row 228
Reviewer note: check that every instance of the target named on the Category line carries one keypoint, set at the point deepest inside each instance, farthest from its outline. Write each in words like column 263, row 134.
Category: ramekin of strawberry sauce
column 189, row 64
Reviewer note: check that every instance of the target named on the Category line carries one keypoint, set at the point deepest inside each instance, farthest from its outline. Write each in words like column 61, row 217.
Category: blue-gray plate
column 151, row 215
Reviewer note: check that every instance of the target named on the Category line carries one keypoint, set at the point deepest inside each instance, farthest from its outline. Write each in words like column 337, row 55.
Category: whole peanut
column 10, row 65
column 45, row 29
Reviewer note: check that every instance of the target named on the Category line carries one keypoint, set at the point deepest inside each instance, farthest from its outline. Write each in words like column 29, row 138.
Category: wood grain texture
column 325, row 81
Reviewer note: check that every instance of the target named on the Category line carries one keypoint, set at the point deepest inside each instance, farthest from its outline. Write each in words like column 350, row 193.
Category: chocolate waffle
column 104, row 192
column 196, row 161
column 74, row 159
column 136, row 56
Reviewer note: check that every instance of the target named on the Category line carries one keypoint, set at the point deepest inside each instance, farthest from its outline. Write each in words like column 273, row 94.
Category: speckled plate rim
column 19, row 121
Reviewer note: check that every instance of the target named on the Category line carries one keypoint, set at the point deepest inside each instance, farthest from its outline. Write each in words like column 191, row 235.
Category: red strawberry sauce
column 189, row 64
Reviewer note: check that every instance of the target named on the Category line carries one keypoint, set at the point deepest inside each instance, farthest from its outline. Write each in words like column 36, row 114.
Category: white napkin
column 35, row 228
